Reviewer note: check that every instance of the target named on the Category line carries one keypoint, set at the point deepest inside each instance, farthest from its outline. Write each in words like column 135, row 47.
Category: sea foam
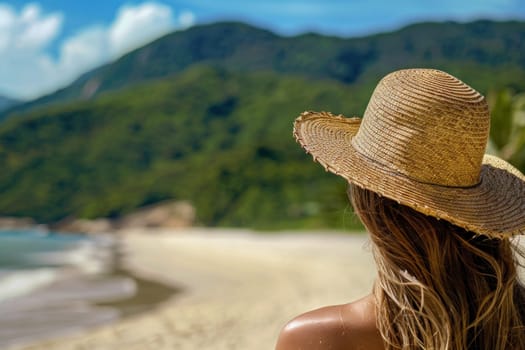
column 20, row 282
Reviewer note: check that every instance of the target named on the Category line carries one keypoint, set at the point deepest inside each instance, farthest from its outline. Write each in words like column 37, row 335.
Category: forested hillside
column 220, row 140
column 205, row 116
column 6, row 102
column 485, row 53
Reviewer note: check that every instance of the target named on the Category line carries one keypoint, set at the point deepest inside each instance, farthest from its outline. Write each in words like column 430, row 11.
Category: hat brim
column 494, row 207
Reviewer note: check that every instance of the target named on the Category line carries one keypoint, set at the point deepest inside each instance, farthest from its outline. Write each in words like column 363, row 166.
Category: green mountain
column 218, row 139
column 205, row 115
column 486, row 54
column 7, row 102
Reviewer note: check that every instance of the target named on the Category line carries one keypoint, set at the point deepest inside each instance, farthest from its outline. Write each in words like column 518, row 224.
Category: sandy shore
column 239, row 287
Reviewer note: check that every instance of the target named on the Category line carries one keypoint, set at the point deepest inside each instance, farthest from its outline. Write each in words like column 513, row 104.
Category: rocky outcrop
column 16, row 223
column 173, row 214
column 102, row 225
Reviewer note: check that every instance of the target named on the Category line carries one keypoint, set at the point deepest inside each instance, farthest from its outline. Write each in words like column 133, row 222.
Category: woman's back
column 441, row 215
column 339, row 327
column 440, row 286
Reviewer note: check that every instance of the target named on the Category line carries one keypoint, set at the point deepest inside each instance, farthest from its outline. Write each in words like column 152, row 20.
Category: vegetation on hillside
column 205, row 115
column 486, row 54
column 7, row 102
column 220, row 140
column 508, row 126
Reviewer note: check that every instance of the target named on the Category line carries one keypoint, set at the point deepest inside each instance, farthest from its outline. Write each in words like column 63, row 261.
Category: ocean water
column 50, row 284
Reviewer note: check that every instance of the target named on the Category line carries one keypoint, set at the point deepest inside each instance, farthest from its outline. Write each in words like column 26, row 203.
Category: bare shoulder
column 348, row 326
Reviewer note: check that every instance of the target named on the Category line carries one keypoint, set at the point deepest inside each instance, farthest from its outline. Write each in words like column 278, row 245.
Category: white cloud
column 34, row 31
column 27, row 31
column 137, row 25
column 186, row 19
column 84, row 50
column 26, row 68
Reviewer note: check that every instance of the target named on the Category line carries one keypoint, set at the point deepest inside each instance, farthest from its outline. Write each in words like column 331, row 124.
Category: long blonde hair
column 440, row 286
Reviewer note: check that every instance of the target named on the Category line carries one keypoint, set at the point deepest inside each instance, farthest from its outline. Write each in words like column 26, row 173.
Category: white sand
column 240, row 288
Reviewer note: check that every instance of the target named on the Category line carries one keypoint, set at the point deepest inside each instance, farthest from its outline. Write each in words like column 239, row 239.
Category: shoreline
column 149, row 294
column 88, row 289
column 239, row 287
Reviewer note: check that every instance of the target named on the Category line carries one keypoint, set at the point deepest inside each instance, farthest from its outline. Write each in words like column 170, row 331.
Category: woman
column 441, row 215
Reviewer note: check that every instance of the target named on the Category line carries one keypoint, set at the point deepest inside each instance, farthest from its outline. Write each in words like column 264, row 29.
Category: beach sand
column 238, row 288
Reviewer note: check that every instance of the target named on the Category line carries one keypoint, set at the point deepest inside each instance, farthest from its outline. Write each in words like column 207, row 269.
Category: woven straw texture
column 421, row 142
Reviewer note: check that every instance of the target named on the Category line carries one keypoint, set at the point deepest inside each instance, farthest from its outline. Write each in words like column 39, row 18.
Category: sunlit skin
column 339, row 327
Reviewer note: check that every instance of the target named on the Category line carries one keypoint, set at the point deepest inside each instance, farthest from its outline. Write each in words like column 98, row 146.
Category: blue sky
column 46, row 44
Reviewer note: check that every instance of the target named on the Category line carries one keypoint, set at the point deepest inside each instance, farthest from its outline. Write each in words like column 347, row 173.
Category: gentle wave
column 33, row 259
column 21, row 282
column 90, row 256
column 50, row 284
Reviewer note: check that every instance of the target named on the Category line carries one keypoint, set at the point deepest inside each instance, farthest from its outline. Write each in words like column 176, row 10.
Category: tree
column 507, row 136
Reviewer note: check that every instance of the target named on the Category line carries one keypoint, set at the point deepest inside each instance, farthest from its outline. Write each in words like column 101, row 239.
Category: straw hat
column 421, row 142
